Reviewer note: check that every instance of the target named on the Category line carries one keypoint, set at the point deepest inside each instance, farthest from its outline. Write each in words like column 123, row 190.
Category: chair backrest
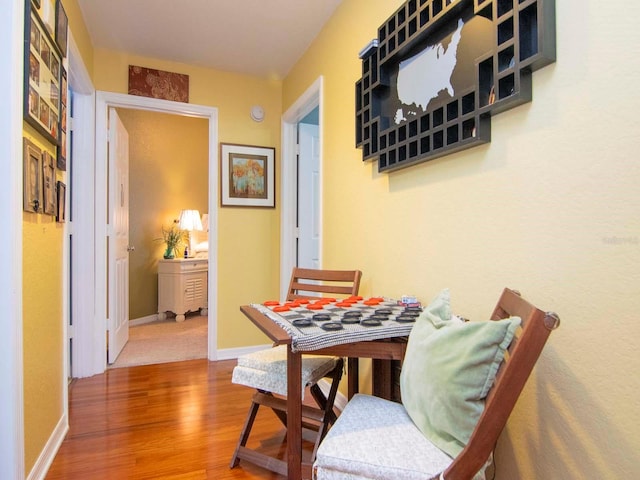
column 310, row 283
column 512, row 376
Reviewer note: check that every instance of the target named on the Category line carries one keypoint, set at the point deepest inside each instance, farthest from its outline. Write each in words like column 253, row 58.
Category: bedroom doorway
column 89, row 332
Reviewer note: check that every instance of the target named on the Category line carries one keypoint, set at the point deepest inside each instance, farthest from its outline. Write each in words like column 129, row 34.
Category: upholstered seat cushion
column 267, row 369
column 376, row 439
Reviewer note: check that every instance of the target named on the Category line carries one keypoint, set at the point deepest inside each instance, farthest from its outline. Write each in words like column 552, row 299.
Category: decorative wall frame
column 64, row 94
column 61, row 202
column 48, row 184
column 32, row 177
column 62, row 25
column 438, row 71
column 247, row 176
column 42, row 66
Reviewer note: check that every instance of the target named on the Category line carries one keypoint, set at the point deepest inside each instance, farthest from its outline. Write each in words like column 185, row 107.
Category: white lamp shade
column 190, row 220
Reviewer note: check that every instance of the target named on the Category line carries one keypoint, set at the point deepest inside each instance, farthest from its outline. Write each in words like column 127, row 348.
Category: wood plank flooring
column 167, row 421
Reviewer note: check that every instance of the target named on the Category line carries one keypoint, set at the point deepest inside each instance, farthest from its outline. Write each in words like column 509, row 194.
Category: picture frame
column 48, row 184
column 42, row 67
column 62, row 25
column 61, row 202
column 247, row 176
column 62, row 148
column 32, row 177
column 47, row 13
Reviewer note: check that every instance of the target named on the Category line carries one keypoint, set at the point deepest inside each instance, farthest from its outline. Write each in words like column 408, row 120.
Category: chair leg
column 244, row 434
column 327, row 405
column 328, row 417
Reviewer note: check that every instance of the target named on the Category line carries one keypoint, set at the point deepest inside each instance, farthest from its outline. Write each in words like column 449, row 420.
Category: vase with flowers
column 173, row 237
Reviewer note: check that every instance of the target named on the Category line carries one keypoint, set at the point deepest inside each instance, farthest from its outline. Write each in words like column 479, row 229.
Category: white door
column 309, row 196
column 119, row 236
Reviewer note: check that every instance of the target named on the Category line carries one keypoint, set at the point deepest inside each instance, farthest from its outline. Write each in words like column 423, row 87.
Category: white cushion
column 267, row 369
column 376, row 439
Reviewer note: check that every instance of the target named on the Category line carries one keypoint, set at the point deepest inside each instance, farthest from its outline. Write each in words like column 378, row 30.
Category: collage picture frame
column 43, row 64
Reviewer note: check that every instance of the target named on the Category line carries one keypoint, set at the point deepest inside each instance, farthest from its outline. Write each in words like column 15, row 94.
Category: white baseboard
column 232, row 353
column 41, row 467
column 143, row 320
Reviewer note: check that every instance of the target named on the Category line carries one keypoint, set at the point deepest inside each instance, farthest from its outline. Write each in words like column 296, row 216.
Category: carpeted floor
column 165, row 341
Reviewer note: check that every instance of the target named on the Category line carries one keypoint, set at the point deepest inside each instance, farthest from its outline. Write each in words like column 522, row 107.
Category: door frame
column 11, row 349
column 305, row 104
column 105, row 100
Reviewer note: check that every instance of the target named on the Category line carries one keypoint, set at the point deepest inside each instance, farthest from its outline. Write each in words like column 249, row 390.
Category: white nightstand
column 182, row 286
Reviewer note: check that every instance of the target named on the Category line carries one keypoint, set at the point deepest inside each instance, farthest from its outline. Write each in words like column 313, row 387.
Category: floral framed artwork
column 247, row 176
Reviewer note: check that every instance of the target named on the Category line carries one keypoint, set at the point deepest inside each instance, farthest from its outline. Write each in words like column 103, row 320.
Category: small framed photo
column 247, row 176
column 61, row 196
column 62, row 24
column 32, row 177
column 48, row 183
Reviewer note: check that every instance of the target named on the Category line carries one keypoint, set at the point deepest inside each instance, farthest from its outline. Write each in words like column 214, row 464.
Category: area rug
column 165, row 341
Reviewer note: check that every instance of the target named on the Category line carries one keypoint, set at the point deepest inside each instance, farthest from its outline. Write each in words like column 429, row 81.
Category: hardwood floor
column 168, row 421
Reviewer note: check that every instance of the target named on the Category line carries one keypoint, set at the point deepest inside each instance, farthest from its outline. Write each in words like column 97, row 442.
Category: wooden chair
column 376, row 438
column 266, row 370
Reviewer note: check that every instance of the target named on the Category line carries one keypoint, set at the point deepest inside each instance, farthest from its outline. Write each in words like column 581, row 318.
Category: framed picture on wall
column 32, row 177
column 42, row 67
column 247, row 176
column 62, row 24
column 61, row 202
column 62, row 149
column 48, row 184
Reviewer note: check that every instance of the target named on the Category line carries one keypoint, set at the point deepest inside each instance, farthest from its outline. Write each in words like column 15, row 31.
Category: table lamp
column 189, row 220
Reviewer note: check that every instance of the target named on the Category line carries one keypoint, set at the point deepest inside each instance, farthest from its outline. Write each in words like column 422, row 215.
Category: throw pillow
column 448, row 370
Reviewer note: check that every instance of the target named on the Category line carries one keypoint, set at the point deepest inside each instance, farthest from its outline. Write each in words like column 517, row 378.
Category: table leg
column 353, row 385
column 294, row 415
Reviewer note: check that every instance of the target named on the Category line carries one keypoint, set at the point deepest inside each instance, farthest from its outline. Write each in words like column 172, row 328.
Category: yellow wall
column 42, row 322
column 248, row 239
column 80, row 33
column 43, row 301
column 168, row 164
column 549, row 207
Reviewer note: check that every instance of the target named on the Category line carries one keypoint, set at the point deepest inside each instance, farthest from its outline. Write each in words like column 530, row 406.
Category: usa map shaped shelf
column 438, row 71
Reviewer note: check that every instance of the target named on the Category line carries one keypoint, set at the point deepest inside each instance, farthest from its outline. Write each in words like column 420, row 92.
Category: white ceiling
column 256, row 37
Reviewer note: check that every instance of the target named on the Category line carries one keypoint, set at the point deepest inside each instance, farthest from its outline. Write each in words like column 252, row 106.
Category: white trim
column 48, row 454
column 85, row 359
column 310, row 99
column 11, row 322
column 233, row 353
column 143, row 320
column 104, row 100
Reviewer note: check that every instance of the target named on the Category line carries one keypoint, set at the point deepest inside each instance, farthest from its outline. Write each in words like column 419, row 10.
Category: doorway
column 90, row 338
column 309, row 105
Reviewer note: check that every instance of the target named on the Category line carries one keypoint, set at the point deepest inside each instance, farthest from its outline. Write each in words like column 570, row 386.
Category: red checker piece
column 281, row 308
column 315, row 306
column 372, row 301
column 271, row 303
column 344, row 304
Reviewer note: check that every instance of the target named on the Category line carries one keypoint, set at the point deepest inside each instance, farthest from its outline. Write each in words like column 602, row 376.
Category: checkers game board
column 315, row 324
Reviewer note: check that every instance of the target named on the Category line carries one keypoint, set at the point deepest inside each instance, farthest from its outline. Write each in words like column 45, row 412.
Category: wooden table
column 387, row 349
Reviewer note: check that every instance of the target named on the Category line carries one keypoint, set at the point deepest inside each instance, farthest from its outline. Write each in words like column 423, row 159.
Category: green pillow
column 448, row 370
